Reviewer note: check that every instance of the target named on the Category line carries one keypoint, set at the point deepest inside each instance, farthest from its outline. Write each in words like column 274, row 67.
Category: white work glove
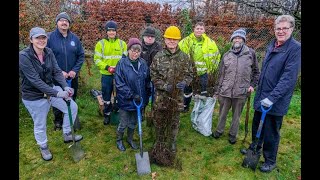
column 63, row 94
column 69, row 90
column 266, row 102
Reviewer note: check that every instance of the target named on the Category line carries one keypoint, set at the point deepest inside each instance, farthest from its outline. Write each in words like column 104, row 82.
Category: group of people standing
column 169, row 73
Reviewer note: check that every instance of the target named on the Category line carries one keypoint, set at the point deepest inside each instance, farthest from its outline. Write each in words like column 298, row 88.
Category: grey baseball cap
column 37, row 31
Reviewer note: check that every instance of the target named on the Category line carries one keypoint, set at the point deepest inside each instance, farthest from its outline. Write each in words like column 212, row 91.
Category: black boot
column 58, row 119
column 57, row 124
column 186, row 104
column 243, row 151
column 130, row 138
column 120, row 145
column 107, row 120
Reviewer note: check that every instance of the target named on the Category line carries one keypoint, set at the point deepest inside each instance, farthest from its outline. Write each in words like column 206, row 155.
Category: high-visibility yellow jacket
column 204, row 53
column 108, row 52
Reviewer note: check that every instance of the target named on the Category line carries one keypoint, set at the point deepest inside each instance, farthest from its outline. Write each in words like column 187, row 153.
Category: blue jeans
column 204, row 82
column 107, row 89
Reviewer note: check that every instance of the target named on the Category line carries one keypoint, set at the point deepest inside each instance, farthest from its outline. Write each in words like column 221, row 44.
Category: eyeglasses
column 285, row 29
column 63, row 20
column 136, row 52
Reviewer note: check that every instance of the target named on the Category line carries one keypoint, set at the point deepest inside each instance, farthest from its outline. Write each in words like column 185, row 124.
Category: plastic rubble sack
column 201, row 115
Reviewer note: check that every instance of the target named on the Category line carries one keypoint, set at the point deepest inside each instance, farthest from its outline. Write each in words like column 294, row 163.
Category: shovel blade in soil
column 143, row 163
column 251, row 160
column 77, row 152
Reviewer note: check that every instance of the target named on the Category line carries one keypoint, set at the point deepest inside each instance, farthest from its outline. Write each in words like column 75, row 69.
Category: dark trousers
column 128, row 119
column 188, row 89
column 58, row 115
column 269, row 137
column 107, row 89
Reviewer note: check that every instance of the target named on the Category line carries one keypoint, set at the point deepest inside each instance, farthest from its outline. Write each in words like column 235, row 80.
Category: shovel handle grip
column 68, row 101
column 69, row 82
column 139, row 114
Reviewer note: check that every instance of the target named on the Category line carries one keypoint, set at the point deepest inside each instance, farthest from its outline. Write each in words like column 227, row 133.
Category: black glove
column 136, row 98
column 169, row 88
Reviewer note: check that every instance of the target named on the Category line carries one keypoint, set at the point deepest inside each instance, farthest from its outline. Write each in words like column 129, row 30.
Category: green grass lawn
column 201, row 157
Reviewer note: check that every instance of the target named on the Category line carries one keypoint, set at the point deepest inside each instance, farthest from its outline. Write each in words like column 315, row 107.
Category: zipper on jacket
column 65, row 53
column 265, row 69
column 232, row 93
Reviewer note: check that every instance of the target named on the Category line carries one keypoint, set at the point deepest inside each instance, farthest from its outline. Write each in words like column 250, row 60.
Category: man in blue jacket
column 279, row 74
column 69, row 53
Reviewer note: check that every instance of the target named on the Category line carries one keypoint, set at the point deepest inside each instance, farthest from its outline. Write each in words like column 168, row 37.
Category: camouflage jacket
column 170, row 68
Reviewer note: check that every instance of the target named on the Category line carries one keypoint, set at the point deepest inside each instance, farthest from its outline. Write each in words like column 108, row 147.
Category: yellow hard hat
column 172, row 32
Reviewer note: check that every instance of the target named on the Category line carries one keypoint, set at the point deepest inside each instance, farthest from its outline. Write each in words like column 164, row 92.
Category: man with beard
column 68, row 50
column 238, row 75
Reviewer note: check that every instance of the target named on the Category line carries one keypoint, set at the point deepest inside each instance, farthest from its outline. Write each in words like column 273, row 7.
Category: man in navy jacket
column 279, row 74
column 69, row 53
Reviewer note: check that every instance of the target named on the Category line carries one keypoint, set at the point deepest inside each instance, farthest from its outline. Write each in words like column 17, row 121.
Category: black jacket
column 37, row 79
column 148, row 52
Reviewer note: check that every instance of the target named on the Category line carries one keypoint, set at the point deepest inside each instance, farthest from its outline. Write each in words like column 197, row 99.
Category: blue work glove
column 69, row 90
column 266, row 102
column 181, row 85
column 168, row 88
column 136, row 98
column 63, row 94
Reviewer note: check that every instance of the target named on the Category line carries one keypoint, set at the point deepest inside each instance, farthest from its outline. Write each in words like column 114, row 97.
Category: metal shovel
column 142, row 158
column 77, row 124
column 76, row 150
column 253, row 155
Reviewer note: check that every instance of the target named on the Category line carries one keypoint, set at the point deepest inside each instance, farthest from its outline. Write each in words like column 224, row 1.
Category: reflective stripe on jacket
column 108, row 52
column 205, row 53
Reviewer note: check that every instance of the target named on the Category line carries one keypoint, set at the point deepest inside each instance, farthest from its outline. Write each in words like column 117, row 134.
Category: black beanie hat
column 111, row 25
column 149, row 31
column 63, row 15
